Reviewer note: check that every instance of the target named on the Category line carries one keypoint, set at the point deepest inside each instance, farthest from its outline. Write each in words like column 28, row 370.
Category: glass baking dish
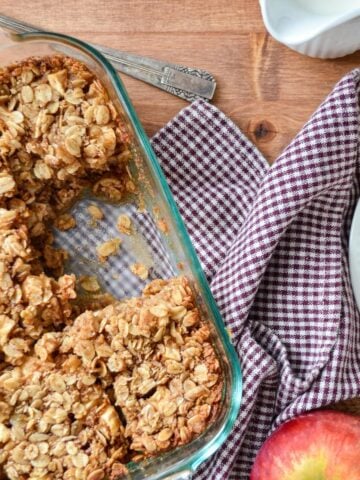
column 161, row 243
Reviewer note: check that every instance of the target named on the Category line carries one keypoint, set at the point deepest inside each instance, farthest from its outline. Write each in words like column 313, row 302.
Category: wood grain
column 268, row 90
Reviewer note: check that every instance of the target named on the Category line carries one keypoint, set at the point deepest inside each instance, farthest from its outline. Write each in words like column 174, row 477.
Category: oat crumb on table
column 84, row 388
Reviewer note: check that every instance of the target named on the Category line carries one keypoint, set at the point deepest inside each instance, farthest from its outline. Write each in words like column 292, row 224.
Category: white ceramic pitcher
column 318, row 28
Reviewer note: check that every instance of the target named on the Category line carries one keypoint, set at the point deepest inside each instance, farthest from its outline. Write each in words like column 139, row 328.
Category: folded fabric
column 274, row 244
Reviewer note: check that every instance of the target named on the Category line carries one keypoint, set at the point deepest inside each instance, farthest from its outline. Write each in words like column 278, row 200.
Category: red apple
column 321, row 445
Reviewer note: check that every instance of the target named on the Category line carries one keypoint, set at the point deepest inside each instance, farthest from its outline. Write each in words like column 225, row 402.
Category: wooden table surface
column 268, row 90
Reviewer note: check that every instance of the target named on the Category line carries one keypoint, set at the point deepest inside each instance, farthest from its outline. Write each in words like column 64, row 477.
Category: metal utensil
column 184, row 82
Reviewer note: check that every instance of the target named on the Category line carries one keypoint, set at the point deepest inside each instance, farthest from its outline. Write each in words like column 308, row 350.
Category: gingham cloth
column 274, row 245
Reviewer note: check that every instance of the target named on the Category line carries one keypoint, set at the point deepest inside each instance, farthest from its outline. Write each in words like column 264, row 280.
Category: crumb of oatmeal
column 95, row 212
column 140, row 270
column 163, row 226
column 65, row 222
column 90, row 284
column 124, row 224
column 108, row 248
column 130, row 186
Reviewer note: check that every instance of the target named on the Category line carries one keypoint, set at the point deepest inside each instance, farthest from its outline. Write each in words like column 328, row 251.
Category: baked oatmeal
column 60, row 135
column 84, row 388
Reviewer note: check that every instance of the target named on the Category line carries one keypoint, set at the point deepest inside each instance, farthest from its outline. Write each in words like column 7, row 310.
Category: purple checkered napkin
column 273, row 243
